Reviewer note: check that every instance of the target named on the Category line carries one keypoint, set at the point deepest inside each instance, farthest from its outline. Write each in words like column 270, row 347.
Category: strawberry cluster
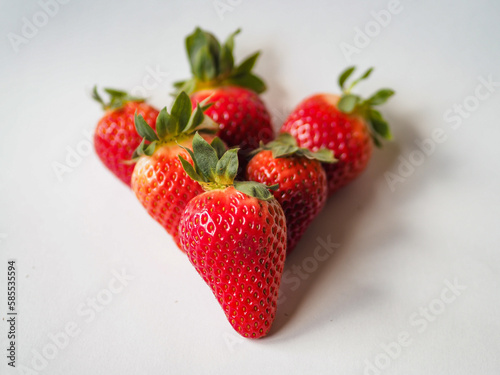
column 236, row 199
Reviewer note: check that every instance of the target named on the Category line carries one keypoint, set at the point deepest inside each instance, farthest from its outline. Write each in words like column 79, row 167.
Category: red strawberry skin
column 316, row 122
column 163, row 187
column 241, row 114
column 115, row 137
column 302, row 188
column 237, row 243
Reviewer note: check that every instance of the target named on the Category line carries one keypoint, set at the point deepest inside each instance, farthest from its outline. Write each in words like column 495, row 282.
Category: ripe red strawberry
column 345, row 124
column 115, row 138
column 235, row 236
column 302, row 182
column 243, row 118
column 159, row 181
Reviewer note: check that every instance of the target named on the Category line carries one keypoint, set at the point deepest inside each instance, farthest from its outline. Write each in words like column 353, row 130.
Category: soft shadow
column 339, row 221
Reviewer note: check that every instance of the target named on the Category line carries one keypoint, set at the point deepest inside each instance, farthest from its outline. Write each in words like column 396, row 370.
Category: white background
column 398, row 248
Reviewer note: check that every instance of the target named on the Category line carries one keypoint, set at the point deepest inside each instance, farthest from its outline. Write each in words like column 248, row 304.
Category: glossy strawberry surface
column 115, row 137
column 302, row 190
column 237, row 244
column 163, row 187
column 316, row 122
column 241, row 115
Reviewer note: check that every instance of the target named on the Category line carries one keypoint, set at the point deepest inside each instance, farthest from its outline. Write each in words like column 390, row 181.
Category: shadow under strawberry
column 337, row 226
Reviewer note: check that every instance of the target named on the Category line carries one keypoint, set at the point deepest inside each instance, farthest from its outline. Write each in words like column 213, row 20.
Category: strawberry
column 303, row 187
column 235, row 237
column 346, row 124
column 159, row 181
column 115, row 138
column 238, row 109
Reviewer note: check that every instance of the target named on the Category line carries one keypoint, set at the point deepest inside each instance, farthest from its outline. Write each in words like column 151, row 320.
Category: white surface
column 396, row 249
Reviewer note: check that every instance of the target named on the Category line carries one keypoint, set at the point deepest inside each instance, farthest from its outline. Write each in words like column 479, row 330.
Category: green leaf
column 206, row 106
column 380, row 97
column 179, row 84
column 283, row 150
column 190, row 170
column 226, row 60
column 247, row 65
column 139, row 151
column 195, row 120
column 205, row 103
column 180, row 113
column 287, row 139
column 144, row 130
column 348, row 102
column 190, row 152
column 214, row 49
column 194, row 42
column 98, row 98
column 345, row 75
column 188, row 87
column 208, row 126
column 205, row 66
column 323, row 155
column 379, row 125
column 227, row 167
column 204, row 51
column 116, row 93
column 219, row 146
column 364, row 76
column 254, row 189
column 376, row 141
column 248, row 81
column 135, row 156
column 205, row 157
column 230, row 40
column 162, row 122
column 150, row 149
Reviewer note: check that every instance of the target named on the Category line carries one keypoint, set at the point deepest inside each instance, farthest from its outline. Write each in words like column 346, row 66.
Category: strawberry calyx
column 117, row 98
column 214, row 167
column 175, row 126
column 286, row 146
column 212, row 64
column 353, row 104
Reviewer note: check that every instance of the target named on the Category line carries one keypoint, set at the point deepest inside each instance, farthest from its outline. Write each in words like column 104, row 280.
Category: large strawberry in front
column 242, row 116
column 235, row 236
column 302, row 184
column 346, row 124
column 115, row 137
column 159, row 181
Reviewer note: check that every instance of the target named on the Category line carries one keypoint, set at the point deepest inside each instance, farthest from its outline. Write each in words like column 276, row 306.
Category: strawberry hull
column 302, row 190
column 317, row 123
